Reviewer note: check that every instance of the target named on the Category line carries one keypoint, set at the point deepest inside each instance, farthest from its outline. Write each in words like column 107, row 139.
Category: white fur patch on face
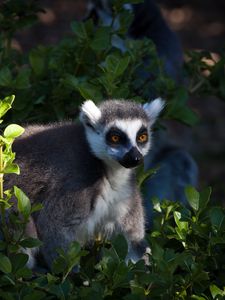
column 153, row 109
column 96, row 143
column 90, row 112
column 130, row 127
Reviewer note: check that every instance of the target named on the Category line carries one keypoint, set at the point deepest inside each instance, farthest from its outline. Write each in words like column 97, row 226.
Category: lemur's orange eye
column 142, row 138
column 115, row 138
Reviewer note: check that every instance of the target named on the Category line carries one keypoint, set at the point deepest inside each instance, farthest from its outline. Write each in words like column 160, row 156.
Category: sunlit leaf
column 6, row 104
column 13, row 131
column 23, row 201
column 215, row 291
column 192, row 197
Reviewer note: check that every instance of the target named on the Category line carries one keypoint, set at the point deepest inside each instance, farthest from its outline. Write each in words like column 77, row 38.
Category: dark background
column 199, row 24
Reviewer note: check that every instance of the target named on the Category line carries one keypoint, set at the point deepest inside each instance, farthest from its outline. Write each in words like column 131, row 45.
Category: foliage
column 187, row 244
column 207, row 74
column 96, row 62
column 50, row 82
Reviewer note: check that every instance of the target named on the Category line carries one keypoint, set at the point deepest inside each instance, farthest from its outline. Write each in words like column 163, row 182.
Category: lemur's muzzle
column 132, row 158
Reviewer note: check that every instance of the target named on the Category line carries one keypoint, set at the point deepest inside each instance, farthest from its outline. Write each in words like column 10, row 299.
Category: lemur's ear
column 153, row 109
column 89, row 113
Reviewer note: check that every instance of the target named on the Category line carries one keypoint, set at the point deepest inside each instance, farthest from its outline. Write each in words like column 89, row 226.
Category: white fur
column 131, row 128
column 111, row 205
column 97, row 143
column 90, row 111
column 31, row 256
column 153, row 109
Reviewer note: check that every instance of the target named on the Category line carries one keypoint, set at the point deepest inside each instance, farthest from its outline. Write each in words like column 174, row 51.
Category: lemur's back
column 47, row 156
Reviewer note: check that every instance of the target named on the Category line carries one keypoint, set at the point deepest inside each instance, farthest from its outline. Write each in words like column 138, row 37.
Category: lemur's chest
column 112, row 204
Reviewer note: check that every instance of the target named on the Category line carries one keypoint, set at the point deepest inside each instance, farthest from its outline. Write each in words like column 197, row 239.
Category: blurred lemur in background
column 177, row 167
column 148, row 22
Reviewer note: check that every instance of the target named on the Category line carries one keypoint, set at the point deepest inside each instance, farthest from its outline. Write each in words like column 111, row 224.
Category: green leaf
column 182, row 225
column 22, row 80
column 143, row 175
column 183, row 114
column 156, row 204
column 59, row 265
column 24, row 272
column 6, row 295
column 89, row 91
column 120, row 276
column 74, row 255
column 71, row 81
column 62, row 291
column 125, row 19
column 215, row 291
column 101, row 39
column 5, row 77
column 37, row 61
column 5, row 264
column 30, row 243
column 192, row 197
column 36, row 207
column 7, row 280
column 195, row 297
column 6, row 104
column 13, row 131
column 119, row 243
column 187, row 116
column 51, row 278
column 205, row 197
column 24, row 205
column 74, row 251
column 35, row 295
column 217, row 217
column 79, row 29
column 18, row 261
column 12, row 168
column 115, row 65
column 217, row 240
column 177, row 109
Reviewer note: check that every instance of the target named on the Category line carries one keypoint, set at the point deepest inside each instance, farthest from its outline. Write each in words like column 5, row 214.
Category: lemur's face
column 122, row 141
column 127, row 141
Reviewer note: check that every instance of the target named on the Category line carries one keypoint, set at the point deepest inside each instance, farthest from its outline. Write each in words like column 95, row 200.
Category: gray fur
column 81, row 194
column 117, row 109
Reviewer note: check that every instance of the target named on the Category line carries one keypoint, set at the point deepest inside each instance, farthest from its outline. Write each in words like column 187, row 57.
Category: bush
column 50, row 82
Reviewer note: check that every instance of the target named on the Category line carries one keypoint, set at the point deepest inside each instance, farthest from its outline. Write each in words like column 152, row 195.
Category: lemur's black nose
column 132, row 158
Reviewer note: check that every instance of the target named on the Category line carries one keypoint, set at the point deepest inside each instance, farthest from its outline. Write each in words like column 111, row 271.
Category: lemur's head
column 119, row 131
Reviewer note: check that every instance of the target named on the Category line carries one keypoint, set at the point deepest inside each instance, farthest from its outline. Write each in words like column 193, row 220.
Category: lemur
column 83, row 174
column 148, row 22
